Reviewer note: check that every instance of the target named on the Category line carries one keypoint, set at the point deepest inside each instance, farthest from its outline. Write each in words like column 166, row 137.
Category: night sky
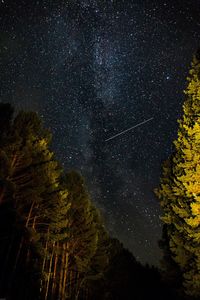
column 92, row 69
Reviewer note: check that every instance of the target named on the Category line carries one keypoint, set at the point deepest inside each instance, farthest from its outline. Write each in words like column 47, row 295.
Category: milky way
column 91, row 69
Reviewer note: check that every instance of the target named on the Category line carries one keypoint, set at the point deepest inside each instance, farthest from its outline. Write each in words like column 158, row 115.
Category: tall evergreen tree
column 51, row 232
column 30, row 187
column 179, row 191
column 84, row 235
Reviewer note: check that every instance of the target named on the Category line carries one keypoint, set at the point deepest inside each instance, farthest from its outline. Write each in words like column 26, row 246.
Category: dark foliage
column 128, row 279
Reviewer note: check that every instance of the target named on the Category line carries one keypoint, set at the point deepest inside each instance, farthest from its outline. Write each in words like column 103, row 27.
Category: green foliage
column 87, row 236
column 83, row 236
column 55, row 229
column 179, row 191
column 28, row 174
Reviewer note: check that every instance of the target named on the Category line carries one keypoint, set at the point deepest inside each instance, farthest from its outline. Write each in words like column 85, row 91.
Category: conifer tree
column 80, row 241
column 30, row 185
column 54, row 235
column 179, row 191
column 83, row 233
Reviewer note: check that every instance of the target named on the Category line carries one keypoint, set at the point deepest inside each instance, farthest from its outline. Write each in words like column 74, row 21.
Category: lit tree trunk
column 79, row 287
column 42, row 284
column 65, row 270
column 61, row 274
column 49, row 272
column 33, row 227
column 22, row 240
column 14, row 160
column 54, row 272
column 30, row 213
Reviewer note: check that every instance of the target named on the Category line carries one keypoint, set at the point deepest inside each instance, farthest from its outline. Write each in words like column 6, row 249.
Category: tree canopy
column 179, row 190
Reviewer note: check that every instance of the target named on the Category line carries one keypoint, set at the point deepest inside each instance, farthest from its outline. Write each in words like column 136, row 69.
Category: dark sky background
column 91, row 69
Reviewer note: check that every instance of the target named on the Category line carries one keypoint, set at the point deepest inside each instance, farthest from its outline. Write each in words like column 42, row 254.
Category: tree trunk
column 61, row 274
column 53, row 293
column 22, row 239
column 33, row 227
column 49, row 272
column 66, row 254
column 44, row 261
column 30, row 213
column 14, row 159
column 80, row 284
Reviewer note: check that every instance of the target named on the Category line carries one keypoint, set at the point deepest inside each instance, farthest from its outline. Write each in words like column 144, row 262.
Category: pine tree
column 80, row 241
column 179, row 191
column 29, row 177
column 54, row 241
column 83, row 233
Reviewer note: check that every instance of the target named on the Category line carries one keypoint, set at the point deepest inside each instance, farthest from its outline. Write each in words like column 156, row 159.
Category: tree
column 179, row 190
column 77, row 254
column 126, row 278
column 30, row 189
column 83, row 235
column 52, row 237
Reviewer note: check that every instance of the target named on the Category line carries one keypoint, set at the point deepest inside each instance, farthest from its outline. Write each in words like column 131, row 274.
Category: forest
column 54, row 244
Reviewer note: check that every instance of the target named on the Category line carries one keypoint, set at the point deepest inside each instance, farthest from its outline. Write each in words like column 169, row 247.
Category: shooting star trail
column 137, row 125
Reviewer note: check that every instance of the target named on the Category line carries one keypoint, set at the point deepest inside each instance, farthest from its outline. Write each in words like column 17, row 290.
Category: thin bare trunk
column 44, row 260
column 33, row 226
column 80, row 284
column 22, row 239
column 14, row 160
column 61, row 274
column 30, row 213
column 34, row 222
column 49, row 272
column 45, row 256
column 65, row 270
column 54, row 272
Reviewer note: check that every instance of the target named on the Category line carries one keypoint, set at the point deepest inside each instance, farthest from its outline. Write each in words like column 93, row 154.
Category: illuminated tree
column 29, row 177
column 83, row 234
column 52, row 237
column 179, row 190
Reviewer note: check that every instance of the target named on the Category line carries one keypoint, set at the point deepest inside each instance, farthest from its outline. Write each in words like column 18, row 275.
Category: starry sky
column 94, row 68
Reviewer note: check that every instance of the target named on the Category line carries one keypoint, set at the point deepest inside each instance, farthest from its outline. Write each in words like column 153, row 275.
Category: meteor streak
column 137, row 125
